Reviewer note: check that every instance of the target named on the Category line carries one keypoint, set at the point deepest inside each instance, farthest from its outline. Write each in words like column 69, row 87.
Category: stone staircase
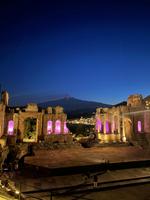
column 142, row 140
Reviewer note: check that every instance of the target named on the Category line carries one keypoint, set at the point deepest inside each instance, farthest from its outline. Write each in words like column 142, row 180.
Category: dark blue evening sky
column 90, row 49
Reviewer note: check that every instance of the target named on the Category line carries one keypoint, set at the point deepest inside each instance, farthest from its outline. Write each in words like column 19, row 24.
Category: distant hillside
column 75, row 107
column 123, row 103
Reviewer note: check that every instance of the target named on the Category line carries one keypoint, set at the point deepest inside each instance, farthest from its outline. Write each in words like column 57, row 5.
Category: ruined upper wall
column 135, row 100
column 31, row 107
column 5, row 98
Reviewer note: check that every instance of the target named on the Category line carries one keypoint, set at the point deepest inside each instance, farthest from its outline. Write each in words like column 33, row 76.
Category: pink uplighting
column 49, row 127
column 58, row 126
column 10, row 127
column 65, row 128
column 139, row 126
column 98, row 125
column 107, row 127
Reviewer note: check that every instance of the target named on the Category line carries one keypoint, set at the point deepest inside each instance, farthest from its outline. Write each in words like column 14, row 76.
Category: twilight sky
column 90, row 49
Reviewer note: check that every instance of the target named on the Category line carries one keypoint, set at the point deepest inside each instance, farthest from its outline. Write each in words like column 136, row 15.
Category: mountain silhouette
column 74, row 107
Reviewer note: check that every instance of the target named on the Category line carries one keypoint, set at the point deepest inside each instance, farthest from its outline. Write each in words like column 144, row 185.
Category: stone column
column 113, row 136
column 119, row 128
column 3, row 123
column 105, row 136
column 98, row 131
column 123, row 131
column 104, row 126
column 53, row 126
column 37, row 129
column 112, row 124
column 62, row 127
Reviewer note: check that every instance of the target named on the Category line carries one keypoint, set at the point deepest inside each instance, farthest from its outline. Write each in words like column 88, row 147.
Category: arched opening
column 30, row 129
column 139, row 126
column 107, row 126
column 65, row 128
column 58, row 127
column 10, row 127
column 49, row 127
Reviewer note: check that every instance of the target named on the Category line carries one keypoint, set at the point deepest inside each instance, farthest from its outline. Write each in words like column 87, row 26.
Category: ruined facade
column 31, row 123
column 130, row 122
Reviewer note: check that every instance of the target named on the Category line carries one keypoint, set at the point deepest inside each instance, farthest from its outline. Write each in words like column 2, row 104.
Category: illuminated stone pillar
column 112, row 124
column 105, row 130
column 123, row 131
column 37, row 130
column 99, row 127
column 113, row 136
column 119, row 134
column 119, row 124
column 53, row 126
column 62, row 127
column 104, row 127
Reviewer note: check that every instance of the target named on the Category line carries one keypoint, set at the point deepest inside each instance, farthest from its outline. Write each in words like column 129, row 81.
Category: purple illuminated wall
column 65, row 128
column 49, row 127
column 10, row 127
column 139, row 126
column 58, row 127
column 107, row 127
column 99, row 125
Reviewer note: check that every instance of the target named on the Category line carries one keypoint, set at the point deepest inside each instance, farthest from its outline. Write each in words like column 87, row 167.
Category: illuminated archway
column 58, row 127
column 107, row 127
column 30, row 129
column 49, row 127
column 139, row 126
column 10, row 127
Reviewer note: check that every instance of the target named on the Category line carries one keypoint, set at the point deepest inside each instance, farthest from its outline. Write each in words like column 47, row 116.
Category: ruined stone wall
column 18, row 118
column 2, row 118
column 8, row 117
column 146, row 123
column 135, row 100
column 46, row 118
column 23, row 116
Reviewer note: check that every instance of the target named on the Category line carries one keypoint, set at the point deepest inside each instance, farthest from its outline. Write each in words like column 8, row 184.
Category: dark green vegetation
column 81, row 129
column 30, row 128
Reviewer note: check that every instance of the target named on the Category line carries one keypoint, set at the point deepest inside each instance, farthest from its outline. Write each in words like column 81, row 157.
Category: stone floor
column 141, row 192
column 128, row 193
column 86, row 156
